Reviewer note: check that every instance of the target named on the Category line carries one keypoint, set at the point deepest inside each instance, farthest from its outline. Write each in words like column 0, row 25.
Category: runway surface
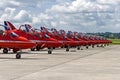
column 89, row 64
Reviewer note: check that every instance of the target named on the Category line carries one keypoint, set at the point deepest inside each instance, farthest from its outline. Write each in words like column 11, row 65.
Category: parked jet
column 42, row 40
column 61, row 36
column 10, row 40
column 74, row 37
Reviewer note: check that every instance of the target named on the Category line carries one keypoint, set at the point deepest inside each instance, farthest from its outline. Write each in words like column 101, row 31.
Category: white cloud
column 54, row 24
column 79, row 6
column 23, row 16
column 108, row 1
column 8, row 3
column 15, row 3
column 36, row 20
column 10, row 10
column 44, row 16
column 80, row 15
column 8, row 14
column 83, row 14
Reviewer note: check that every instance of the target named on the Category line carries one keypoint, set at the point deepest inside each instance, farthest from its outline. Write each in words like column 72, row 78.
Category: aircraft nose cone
column 22, row 38
column 27, row 43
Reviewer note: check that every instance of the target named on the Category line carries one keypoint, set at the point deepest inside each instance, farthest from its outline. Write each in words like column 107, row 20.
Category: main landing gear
column 5, row 50
column 38, row 48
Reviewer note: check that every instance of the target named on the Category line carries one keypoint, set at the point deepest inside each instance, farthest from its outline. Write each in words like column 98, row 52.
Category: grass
column 115, row 41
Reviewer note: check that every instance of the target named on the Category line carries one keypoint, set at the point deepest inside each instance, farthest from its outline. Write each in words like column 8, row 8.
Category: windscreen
column 46, row 36
column 13, row 34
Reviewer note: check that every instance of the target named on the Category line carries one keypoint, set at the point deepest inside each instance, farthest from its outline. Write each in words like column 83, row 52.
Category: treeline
column 108, row 35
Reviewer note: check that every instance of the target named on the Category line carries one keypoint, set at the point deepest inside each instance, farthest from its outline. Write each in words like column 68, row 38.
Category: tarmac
column 88, row 64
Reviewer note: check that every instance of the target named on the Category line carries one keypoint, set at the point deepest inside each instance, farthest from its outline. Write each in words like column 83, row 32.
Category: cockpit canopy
column 13, row 34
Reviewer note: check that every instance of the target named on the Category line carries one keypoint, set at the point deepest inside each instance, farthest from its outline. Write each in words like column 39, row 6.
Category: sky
column 74, row 15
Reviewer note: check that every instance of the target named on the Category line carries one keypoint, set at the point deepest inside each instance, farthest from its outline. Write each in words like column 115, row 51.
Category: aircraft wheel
column 5, row 50
column 53, row 47
column 49, row 52
column 87, row 47
column 67, row 49
column 62, row 47
column 78, row 48
column 18, row 56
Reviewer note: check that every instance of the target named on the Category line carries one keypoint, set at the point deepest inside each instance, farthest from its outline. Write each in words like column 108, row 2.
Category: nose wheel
column 18, row 56
column 78, row 48
column 50, row 50
column 87, row 46
column 67, row 49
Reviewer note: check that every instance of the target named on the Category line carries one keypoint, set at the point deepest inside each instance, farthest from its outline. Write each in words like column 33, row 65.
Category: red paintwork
column 61, row 37
column 56, row 38
column 19, row 42
column 37, row 37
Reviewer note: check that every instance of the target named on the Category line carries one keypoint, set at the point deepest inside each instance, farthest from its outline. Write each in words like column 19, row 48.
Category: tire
column 67, row 49
column 62, row 47
column 49, row 52
column 86, row 47
column 78, row 48
column 53, row 47
column 5, row 50
column 18, row 56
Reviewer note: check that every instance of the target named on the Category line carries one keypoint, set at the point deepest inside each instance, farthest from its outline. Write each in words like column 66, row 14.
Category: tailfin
column 43, row 29
column 54, row 31
column 9, row 25
column 28, row 27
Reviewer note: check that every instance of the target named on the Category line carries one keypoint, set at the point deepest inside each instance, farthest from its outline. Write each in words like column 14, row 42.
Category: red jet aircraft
column 61, row 36
column 42, row 40
column 11, row 40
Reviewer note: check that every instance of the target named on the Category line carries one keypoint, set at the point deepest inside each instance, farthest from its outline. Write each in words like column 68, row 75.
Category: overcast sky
column 74, row 15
